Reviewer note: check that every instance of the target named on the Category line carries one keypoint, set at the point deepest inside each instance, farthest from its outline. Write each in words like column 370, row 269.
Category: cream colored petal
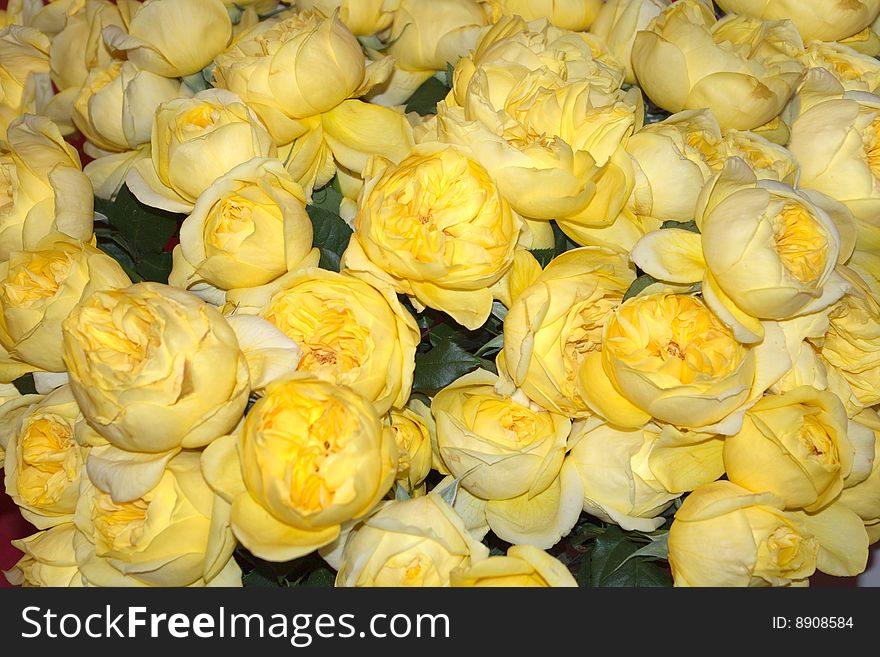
column 270, row 354
column 843, row 541
column 671, row 254
column 126, row 475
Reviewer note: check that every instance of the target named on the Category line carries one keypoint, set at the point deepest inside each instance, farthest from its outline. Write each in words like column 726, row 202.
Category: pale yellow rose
column 309, row 456
column 46, row 15
column 174, row 531
column 795, row 446
column 49, row 559
column 45, row 461
column 864, row 497
column 668, row 356
column 155, row 368
column 742, row 68
column 38, row 290
column 417, row 542
column 116, row 104
column 362, row 17
column 725, row 535
column 194, row 141
column 556, row 321
column 158, row 34
column 295, row 66
column 351, row 333
column 814, row 19
column 577, row 15
column 855, row 71
column 25, row 85
column 524, row 566
column 247, row 229
column 631, row 476
column 498, row 447
column 437, row 229
column 767, row 159
column 13, row 405
column 851, row 344
column 617, row 23
column 413, row 430
column 42, row 187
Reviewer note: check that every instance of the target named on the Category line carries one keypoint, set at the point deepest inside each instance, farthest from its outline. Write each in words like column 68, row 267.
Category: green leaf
column 331, row 234
column 155, row 267
column 327, row 198
column 544, row 256
column 657, row 549
column 437, row 368
column 424, row 100
column 494, row 345
column 256, row 578
column 613, row 562
column 682, row 225
column 322, row 577
column 638, row 285
column 25, row 384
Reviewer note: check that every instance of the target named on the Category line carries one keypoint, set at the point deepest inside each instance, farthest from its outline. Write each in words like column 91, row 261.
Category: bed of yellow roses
column 440, row 292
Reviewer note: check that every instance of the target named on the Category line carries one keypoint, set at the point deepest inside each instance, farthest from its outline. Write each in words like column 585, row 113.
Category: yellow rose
column 42, row 186
column 351, row 333
column 309, row 456
column 575, row 15
column 13, row 405
column 793, row 445
column 80, row 47
column 418, row 542
column 855, row 71
column 362, row 17
column 556, row 321
column 617, row 23
column 49, row 559
column 24, row 73
column 498, row 447
column 38, row 289
column 44, row 460
column 413, row 430
column 116, row 104
column 768, row 160
column 742, row 68
column 159, row 34
column 195, row 141
column 247, row 229
column 437, row 229
column 631, row 476
column 864, row 497
column 154, row 368
column 293, row 67
column 725, row 535
column 815, row 19
column 173, row 533
column 524, row 566
column 669, row 357
column 851, row 343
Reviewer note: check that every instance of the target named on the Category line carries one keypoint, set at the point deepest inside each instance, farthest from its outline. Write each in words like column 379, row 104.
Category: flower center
column 37, row 279
column 119, row 525
column 816, row 443
column 49, row 460
column 800, row 243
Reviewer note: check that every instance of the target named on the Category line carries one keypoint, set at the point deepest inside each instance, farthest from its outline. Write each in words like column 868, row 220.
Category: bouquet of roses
column 440, row 292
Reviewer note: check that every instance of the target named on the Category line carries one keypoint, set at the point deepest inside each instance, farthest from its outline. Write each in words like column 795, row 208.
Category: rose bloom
column 155, row 368
column 158, row 35
column 38, row 289
column 855, row 71
column 744, row 69
column 309, row 457
column 24, row 73
column 523, row 566
column 417, row 542
column 576, row 15
column 725, row 535
column 362, row 17
column 618, row 22
column 863, row 497
column 814, row 19
column 42, row 186
column 414, row 431
column 436, row 228
column 49, row 559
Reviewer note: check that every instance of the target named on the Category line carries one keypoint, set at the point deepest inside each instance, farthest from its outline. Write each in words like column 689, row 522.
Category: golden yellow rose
column 49, row 559
column 855, row 71
column 351, row 333
column 247, row 229
column 725, row 535
column 24, row 73
column 795, row 446
column 38, row 289
column 557, row 321
column 815, row 19
column 309, row 456
column 195, row 141
column 523, row 566
column 498, row 447
column 44, row 460
column 742, row 68
column 174, row 531
column 155, row 368
column 417, row 542
column 158, row 34
column 437, row 229
column 413, row 430
column 42, row 187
